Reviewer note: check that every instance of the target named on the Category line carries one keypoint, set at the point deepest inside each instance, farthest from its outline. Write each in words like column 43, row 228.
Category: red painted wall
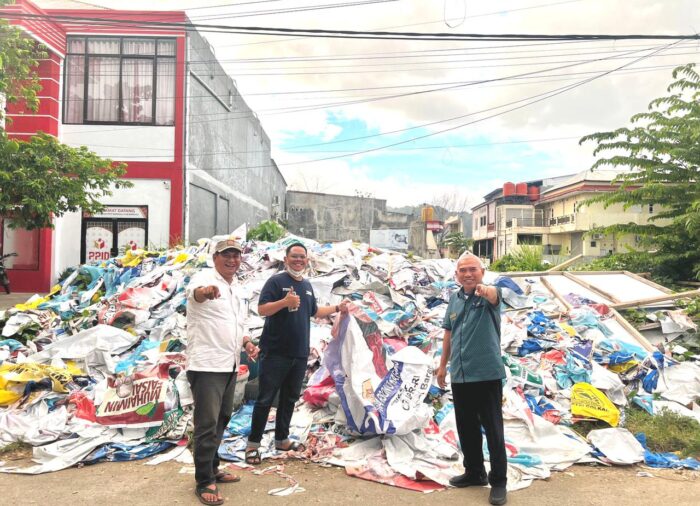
column 27, row 123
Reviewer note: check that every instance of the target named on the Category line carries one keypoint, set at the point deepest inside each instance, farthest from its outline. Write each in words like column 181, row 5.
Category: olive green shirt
column 476, row 338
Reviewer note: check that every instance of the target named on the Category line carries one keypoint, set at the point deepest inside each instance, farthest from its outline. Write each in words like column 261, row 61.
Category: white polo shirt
column 215, row 328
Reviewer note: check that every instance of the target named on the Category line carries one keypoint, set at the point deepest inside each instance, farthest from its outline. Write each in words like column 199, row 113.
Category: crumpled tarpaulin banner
column 137, row 400
column 391, row 403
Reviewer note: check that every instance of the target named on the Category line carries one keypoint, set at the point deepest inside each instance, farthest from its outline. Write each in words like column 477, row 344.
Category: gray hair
column 468, row 254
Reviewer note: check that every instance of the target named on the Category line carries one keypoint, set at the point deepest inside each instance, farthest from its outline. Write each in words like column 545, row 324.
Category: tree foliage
column 458, row 241
column 42, row 178
column 19, row 55
column 523, row 258
column 662, row 152
column 268, row 230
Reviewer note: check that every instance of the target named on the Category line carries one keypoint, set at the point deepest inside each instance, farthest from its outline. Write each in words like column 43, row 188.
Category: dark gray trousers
column 213, row 404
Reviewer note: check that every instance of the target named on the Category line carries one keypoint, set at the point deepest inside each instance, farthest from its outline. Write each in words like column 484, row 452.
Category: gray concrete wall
column 328, row 218
column 231, row 178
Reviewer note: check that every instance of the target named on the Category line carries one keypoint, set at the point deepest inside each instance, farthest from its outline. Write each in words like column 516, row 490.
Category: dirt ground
column 133, row 483
column 127, row 483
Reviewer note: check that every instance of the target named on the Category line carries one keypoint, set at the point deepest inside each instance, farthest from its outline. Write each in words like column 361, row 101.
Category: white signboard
column 138, row 212
column 390, row 238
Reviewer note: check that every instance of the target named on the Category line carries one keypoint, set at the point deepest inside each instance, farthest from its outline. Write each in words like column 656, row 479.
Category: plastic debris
column 94, row 370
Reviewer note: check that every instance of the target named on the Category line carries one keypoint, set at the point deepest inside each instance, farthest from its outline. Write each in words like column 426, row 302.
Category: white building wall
column 124, row 142
column 154, row 193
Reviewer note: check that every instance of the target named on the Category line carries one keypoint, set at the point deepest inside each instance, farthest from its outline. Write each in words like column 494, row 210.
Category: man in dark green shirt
column 472, row 344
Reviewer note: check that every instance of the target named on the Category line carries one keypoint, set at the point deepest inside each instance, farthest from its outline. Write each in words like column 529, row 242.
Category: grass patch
column 667, row 431
column 16, row 447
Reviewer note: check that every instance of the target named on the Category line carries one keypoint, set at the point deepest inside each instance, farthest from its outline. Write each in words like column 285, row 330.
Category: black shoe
column 469, row 480
column 498, row 495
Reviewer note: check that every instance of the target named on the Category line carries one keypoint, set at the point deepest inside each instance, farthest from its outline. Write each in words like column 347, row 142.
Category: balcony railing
column 562, row 220
column 537, row 221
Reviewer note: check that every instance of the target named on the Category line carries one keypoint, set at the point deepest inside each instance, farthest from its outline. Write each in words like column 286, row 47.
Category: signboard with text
column 389, row 238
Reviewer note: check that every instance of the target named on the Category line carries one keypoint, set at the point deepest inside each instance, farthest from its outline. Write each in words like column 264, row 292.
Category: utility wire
column 348, row 34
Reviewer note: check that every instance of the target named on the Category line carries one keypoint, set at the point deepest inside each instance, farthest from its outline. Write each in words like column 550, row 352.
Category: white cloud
column 602, row 104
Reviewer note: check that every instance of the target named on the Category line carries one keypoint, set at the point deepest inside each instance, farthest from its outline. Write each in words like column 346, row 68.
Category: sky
column 418, row 121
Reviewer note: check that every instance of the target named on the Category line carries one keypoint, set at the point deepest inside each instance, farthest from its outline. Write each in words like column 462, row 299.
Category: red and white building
column 122, row 89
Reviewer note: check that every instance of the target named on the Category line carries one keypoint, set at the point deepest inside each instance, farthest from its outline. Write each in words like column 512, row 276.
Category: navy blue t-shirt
column 287, row 332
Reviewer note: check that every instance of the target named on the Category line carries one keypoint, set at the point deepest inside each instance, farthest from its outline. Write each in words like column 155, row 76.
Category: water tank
column 534, row 193
column 521, row 189
column 508, row 189
column 427, row 213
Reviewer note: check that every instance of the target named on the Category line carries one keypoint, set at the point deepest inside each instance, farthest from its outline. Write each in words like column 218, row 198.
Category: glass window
column 137, row 90
column 139, row 46
column 165, row 91
column 166, row 48
column 102, row 89
column 119, row 80
column 103, row 45
column 76, row 45
column 75, row 89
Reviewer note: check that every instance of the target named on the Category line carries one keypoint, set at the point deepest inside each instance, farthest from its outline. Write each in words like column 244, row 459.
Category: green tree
column 458, row 242
column 42, row 178
column 268, row 230
column 661, row 151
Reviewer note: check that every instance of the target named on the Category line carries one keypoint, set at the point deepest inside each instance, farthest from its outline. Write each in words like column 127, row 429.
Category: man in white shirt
column 216, row 332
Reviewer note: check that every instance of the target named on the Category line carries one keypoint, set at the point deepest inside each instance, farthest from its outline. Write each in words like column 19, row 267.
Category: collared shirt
column 215, row 328
column 475, row 353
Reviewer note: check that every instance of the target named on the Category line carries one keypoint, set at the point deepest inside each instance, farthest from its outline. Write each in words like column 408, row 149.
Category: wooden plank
column 522, row 274
column 556, row 294
column 688, row 283
column 643, row 341
column 598, row 273
column 654, row 300
column 649, row 282
column 591, row 287
column 564, row 265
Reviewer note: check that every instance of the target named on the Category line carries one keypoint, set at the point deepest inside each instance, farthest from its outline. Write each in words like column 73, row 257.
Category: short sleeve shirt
column 475, row 353
column 286, row 332
column 215, row 328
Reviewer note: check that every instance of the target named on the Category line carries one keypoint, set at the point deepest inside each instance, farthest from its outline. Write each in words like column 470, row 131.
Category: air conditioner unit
column 598, row 237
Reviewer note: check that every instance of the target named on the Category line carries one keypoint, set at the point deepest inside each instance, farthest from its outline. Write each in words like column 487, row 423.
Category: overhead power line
column 345, row 34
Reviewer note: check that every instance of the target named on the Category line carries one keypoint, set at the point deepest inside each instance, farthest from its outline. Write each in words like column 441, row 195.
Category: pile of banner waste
column 94, row 371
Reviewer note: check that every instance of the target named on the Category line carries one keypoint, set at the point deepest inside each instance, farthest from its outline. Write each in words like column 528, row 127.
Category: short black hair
column 294, row 245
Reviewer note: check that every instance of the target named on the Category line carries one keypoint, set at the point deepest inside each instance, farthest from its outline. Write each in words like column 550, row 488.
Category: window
column 651, row 208
column 594, row 244
column 482, row 221
column 119, row 80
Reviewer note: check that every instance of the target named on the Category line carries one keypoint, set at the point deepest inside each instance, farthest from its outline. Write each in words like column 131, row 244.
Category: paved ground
column 130, row 483
column 134, row 483
column 7, row 301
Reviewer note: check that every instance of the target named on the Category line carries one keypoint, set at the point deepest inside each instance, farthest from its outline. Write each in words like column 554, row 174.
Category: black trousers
column 480, row 404
column 281, row 374
column 213, row 404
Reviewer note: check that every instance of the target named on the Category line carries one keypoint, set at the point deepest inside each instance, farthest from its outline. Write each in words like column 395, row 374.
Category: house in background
column 150, row 94
column 551, row 213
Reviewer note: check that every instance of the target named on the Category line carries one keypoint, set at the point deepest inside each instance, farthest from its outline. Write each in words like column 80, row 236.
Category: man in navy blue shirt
column 288, row 302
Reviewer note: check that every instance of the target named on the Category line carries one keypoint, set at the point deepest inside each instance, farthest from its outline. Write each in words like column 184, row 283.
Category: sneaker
column 498, row 495
column 469, row 480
